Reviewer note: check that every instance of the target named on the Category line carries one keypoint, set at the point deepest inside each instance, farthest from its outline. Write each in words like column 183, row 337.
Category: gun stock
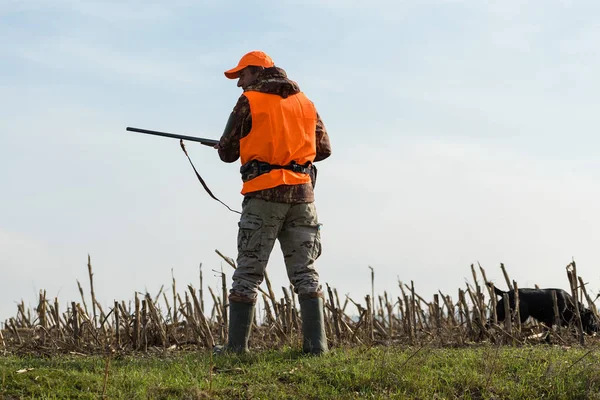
column 206, row 142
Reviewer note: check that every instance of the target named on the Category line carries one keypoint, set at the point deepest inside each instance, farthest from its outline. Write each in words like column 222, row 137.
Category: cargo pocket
column 317, row 243
column 250, row 234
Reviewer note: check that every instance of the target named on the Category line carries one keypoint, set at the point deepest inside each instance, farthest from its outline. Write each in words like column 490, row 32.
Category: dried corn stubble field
column 153, row 323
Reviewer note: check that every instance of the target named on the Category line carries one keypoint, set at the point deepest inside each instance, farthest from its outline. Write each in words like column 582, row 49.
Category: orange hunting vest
column 283, row 130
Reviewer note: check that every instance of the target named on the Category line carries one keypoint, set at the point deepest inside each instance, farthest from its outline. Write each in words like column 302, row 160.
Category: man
column 277, row 133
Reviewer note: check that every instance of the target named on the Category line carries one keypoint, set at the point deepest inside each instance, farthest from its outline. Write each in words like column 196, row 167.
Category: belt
column 255, row 168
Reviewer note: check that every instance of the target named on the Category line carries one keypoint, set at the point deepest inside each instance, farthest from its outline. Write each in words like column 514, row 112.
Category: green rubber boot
column 313, row 326
column 240, row 322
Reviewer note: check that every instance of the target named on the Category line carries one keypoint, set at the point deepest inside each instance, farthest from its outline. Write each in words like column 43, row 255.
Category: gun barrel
column 206, row 142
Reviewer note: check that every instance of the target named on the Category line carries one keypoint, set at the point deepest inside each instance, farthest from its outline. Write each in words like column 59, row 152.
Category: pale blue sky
column 462, row 131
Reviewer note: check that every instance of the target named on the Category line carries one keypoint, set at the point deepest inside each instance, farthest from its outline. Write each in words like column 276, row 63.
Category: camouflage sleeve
column 238, row 126
column 323, row 144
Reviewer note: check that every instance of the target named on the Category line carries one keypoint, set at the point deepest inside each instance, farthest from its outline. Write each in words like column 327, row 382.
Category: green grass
column 485, row 372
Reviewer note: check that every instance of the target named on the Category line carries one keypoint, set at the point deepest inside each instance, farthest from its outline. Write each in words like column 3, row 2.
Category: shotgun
column 206, row 142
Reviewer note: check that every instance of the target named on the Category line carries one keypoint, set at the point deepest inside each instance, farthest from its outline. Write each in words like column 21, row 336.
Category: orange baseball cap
column 256, row 58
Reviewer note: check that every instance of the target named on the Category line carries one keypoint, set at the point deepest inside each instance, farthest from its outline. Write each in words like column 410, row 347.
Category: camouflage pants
column 296, row 227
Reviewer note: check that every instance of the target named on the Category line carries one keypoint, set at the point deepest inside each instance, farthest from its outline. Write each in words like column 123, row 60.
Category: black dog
column 538, row 303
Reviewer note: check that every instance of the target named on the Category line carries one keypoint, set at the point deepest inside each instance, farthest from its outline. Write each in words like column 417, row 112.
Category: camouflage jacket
column 273, row 81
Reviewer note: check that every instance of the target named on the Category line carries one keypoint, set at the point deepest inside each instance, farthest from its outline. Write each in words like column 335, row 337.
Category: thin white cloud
column 126, row 11
column 68, row 53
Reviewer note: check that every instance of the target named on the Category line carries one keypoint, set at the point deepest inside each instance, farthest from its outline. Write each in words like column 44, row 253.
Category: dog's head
column 589, row 321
